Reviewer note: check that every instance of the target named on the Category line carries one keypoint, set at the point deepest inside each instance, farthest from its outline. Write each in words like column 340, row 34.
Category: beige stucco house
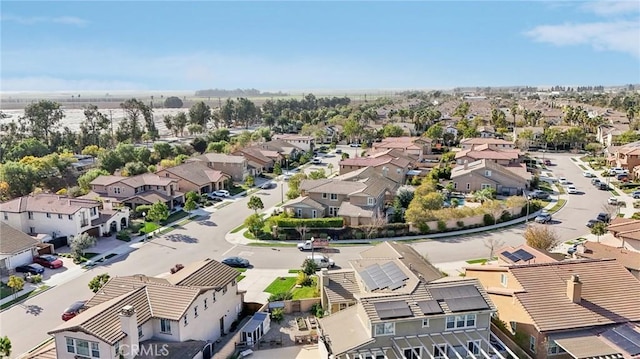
column 493, row 143
column 144, row 189
column 391, row 164
column 478, row 175
column 234, row 166
column 503, row 157
column 196, row 176
column 413, row 146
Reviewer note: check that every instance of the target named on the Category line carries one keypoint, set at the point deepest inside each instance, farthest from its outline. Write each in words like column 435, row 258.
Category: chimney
column 324, row 281
column 574, row 288
column 129, row 325
column 466, row 164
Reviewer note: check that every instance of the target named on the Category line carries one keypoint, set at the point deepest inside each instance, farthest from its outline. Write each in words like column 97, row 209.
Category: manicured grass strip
column 241, row 270
column 240, row 277
column 573, row 159
column 560, row 204
column 306, row 292
column 175, row 216
column 477, row 261
column 281, row 285
column 560, row 189
column 237, row 229
column 294, row 271
column 583, row 167
column 271, row 244
column 25, row 296
column 5, row 291
column 614, row 192
column 148, row 227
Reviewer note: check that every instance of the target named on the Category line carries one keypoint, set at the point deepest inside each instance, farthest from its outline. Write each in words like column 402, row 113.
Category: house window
column 385, row 329
column 165, row 326
column 371, row 201
column 116, row 190
column 30, row 214
column 195, row 312
column 342, row 306
column 83, row 347
column 185, row 320
column 71, row 217
column 474, row 346
column 461, row 321
column 503, row 279
column 425, row 323
column 299, row 212
column 140, row 334
column 372, row 356
column 455, row 185
column 333, row 211
column 5, row 215
column 532, row 343
column 324, row 195
column 554, row 348
column 487, row 173
column 314, row 213
column 412, row 353
column 94, row 211
column 59, row 216
column 468, row 186
column 206, row 305
column 484, row 185
column 439, row 350
column 32, row 229
column 513, row 326
column 48, row 215
column 334, row 197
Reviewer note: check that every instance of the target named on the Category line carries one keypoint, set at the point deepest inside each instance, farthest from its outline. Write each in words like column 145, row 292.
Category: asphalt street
column 27, row 324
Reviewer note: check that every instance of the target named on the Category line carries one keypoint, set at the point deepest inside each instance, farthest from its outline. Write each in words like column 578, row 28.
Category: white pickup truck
column 316, row 244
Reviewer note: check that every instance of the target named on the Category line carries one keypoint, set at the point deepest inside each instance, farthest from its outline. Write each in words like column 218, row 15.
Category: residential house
column 392, row 164
column 486, row 131
column 608, row 135
column 83, row 163
column 144, row 189
column 196, row 305
column 401, row 310
column 451, row 129
column 484, row 152
column 415, row 147
column 629, row 259
column 62, row 216
column 234, row 166
column 492, row 143
column 625, row 156
column 524, row 254
column 628, row 231
column 358, row 200
column 261, row 158
column 568, row 309
column 306, row 143
column 16, row 248
column 196, row 176
column 478, row 175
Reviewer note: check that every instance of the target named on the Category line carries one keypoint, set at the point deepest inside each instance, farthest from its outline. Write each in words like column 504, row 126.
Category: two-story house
column 402, row 310
column 627, row 258
column 392, row 164
column 493, row 143
column 473, row 153
column 626, row 156
column 306, row 143
column 358, row 200
column 196, row 176
column 475, row 176
column 486, row 131
column 263, row 157
column 570, row 309
column 198, row 303
column 62, row 216
column 416, row 147
column 234, row 166
column 627, row 231
column 144, row 189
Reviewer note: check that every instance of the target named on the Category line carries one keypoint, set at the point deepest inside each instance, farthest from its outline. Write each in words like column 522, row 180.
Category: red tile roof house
column 580, row 309
column 628, row 231
column 387, row 163
column 60, row 216
column 144, row 189
column 625, row 156
column 493, row 143
column 196, row 176
column 485, row 152
column 628, row 258
column 415, row 146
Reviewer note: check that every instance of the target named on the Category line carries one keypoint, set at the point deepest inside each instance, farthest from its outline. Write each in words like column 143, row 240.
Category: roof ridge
column 561, row 263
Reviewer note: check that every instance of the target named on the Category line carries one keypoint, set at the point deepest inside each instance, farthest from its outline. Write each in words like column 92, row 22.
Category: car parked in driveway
column 221, row 193
column 33, row 268
column 236, row 262
column 73, row 310
column 49, row 261
column 635, row 194
column 543, row 218
column 592, row 222
column 316, row 160
column 267, row 185
column 538, row 194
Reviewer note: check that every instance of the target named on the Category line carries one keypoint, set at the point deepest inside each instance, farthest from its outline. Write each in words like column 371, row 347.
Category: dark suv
column 603, row 217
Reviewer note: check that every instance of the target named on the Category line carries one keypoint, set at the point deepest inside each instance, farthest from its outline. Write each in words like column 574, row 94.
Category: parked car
column 73, row 310
column 286, row 176
column 603, row 217
column 623, row 177
column 236, row 262
column 543, row 218
column 588, row 174
column 563, row 181
column 538, row 194
column 33, row 268
column 595, row 181
column 603, row 186
column 338, row 151
column 618, row 171
column 354, row 145
column 612, row 201
column 49, row 261
column 547, row 162
column 267, row 185
column 635, row 194
column 316, row 161
column 571, row 189
column 221, row 193
column 214, row 198
column 592, row 222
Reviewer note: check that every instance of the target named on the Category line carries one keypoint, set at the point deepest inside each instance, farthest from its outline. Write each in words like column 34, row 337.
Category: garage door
column 21, row 259
column 94, row 232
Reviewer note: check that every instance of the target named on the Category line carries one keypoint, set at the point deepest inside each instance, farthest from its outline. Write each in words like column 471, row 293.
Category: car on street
column 563, row 181
column 354, row 145
column 49, row 261
column 547, row 162
column 221, row 193
column 338, row 151
column 612, row 201
column 543, row 218
column 316, row 160
column 595, row 181
column 33, row 268
column 571, row 189
column 267, row 185
column 588, row 174
column 635, row 194
column 286, row 176
column 73, row 310
column 603, row 217
column 603, row 186
column 592, row 222
column 538, row 194
column 236, row 262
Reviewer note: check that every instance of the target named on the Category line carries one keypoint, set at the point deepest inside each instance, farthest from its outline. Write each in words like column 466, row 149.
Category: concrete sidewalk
column 256, row 280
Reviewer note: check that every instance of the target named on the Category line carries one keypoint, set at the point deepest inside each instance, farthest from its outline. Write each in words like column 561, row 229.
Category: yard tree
column 192, row 201
column 85, row 180
column 390, row 130
column 5, row 347
column 317, row 174
column 110, row 161
column 173, row 102
column 594, row 148
column 249, row 181
column 330, row 167
column 255, row 203
column 21, row 178
column 435, row 132
column 163, row 149
column 158, row 212
column 404, row 197
column 492, row 242
column 80, row 243
column 91, row 150
column 95, row 123
column 599, row 229
column 131, row 127
column 254, row 224
column 200, row 114
column 126, row 152
column 134, row 169
column 98, row 282
column 16, row 284
column 540, row 237
column 277, row 169
column 41, row 119
column 27, row 147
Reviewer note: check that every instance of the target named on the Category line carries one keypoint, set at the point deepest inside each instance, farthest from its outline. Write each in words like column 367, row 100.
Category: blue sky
column 304, row 45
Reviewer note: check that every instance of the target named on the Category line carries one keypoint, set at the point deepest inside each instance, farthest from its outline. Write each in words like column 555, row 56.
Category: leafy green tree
column 5, row 347
column 435, row 132
column 20, row 178
column 41, row 119
column 91, row 150
column 80, row 243
column 404, row 197
column 163, row 149
column 391, row 130
column 484, row 195
column 199, row 144
column 192, row 201
column 330, row 167
column 110, row 161
column 126, row 152
column 352, row 129
column 27, row 147
column 173, row 102
column 158, row 212
column 200, row 114
column 627, row 137
column 309, row 267
column 594, row 148
column 250, row 181
column 94, row 125
column 277, row 169
column 131, row 127
column 84, row 181
column 218, row 147
column 16, row 284
column 98, row 282
column 255, row 203
column 134, row 169
column 254, row 224
column 317, row 174
column 599, row 229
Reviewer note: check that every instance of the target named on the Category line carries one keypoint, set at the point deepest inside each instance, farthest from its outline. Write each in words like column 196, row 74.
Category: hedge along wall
column 331, row 222
column 473, row 221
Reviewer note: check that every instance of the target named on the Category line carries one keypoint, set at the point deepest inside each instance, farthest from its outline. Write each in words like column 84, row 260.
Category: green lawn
column 583, row 167
column 175, row 216
column 148, row 227
column 5, row 291
column 237, row 189
column 237, row 229
column 24, row 296
column 294, row 271
column 281, row 285
column 614, row 192
column 241, row 270
column 558, row 205
column 306, row 292
column 240, row 277
column 477, row 261
column 545, row 187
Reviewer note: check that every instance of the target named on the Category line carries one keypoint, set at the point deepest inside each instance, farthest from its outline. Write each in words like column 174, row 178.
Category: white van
column 322, row 261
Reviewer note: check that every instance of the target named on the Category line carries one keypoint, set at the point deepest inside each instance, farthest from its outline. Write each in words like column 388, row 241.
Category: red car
column 48, row 261
column 73, row 310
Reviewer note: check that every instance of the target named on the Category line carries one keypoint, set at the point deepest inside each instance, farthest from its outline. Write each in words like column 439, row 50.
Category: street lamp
column 313, row 258
column 281, row 191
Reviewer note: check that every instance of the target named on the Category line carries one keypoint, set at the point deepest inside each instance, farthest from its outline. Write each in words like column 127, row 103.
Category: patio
column 291, row 331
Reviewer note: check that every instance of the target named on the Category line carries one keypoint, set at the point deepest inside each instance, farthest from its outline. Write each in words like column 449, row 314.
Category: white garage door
column 19, row 259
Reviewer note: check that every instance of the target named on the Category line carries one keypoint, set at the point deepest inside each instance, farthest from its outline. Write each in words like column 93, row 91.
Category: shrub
column 505, row 216
column 143, row 208
column 124, row 235
column 460, row 224
column 487, row 219
column 309, row 267
column 304, row 279
column 277, row 315
column 331, row 222
column 280, row 296
column 442, row 226
column 35, row 279
column 423, row 228
column 317, row 310
column 636, row 215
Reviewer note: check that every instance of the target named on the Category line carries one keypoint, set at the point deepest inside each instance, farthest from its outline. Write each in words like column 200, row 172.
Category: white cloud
column 610, row 8
column 32, row 20
column 620, row 36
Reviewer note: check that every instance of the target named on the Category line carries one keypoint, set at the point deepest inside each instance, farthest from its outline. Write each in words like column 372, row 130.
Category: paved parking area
column 256, row 280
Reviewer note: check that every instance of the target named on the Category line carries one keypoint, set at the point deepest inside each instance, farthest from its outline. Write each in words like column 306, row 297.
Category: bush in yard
column 304, row 279
column 505, row 216
column 423, row 228
column 124, row 235
column 487, row 219
column 277, row 315
column 442, row 226
column 142, row 208
column 309, row 267
column 332, row 222
column 636, row 215
column 317, row 310
column 460, row 224
column 35, row 279
column 280, row 296
column 80, row 243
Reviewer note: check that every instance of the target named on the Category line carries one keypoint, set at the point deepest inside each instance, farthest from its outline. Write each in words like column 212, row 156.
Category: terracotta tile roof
column 175, row 350
column 196, row 172
column 487, row 154
column 515, row 171
column 13, row 241
column 341, row 286
column 480, row 141
column 118, row 286
column 609, row 294
column 151, row 197
column 539, row 256
column 47, row 351
column 106, row 180
column 221, row 158
column 629, row 259
column 350, row 210
column 365, row 161
column 49, row 203
column 205, row 273
column 331, row 186
column 305, row 201
column 625, row 228
column 147, row 179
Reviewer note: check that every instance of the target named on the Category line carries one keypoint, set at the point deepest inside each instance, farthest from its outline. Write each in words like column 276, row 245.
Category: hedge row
column 331, row 222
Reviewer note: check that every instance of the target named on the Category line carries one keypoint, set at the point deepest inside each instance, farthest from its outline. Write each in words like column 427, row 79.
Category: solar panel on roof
column 430, row 307
column 368, row 281
column 387, row 275
column 388, row 310
column 465, row 304
column 524, row 255
column 462, row 291
column 510, row 256
column 628, row 332
column 622, row 342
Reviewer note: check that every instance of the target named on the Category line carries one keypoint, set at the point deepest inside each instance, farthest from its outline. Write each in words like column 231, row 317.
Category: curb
column 25, row 299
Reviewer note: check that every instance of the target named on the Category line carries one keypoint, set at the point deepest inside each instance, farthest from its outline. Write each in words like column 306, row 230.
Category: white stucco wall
column 106, row 351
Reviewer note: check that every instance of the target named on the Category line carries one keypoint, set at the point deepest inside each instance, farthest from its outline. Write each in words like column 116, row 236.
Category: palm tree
column 483, row 195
